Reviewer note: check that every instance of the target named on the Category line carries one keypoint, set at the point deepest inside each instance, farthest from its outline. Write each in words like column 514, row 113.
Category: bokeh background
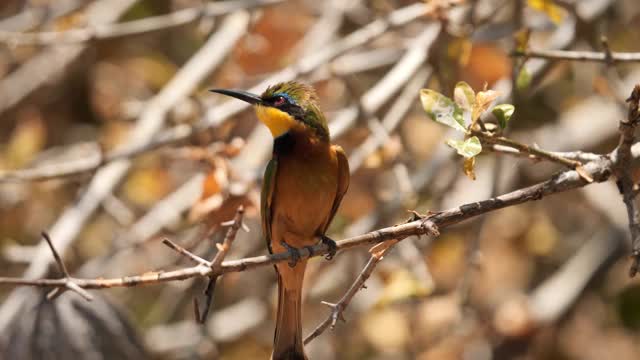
column 548, row 279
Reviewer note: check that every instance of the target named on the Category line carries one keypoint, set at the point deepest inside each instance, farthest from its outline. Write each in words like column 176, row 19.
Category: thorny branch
column 600, row 170
column 337, row 310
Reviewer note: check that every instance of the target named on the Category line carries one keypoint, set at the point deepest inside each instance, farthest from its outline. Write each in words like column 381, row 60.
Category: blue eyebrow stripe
column 286, row 96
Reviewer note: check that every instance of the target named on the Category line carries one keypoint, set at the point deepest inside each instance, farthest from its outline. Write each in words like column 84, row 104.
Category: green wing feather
column 266, row 199
column 343, row 183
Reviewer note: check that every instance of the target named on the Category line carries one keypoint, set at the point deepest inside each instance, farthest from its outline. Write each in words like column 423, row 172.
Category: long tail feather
column 288, row 342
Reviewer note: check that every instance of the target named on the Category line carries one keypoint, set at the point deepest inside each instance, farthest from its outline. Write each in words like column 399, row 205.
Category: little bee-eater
column 303, row 185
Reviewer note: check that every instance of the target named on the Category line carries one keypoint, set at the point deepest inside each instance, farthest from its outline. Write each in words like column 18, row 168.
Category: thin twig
column 216, row 263
column 68, row 280
column 605, row 57
column 129, row 28
column 186, row 253
column 338, row 308
column 532, row 150
column 377, row 254
column 581, row 156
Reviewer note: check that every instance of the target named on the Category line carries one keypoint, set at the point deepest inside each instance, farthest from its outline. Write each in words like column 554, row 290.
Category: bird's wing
column 266, row 199
column 343, row 182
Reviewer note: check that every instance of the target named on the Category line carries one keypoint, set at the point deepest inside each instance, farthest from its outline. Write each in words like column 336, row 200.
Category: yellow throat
column 278, row 122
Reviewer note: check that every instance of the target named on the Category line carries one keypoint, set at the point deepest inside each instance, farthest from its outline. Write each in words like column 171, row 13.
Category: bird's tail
column 288, row 342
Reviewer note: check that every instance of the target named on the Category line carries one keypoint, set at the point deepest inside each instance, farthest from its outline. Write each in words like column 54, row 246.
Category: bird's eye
column 280, row 100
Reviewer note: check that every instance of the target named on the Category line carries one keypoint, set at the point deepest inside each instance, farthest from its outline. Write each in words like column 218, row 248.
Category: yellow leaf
column 468, row 167
column 552, row 10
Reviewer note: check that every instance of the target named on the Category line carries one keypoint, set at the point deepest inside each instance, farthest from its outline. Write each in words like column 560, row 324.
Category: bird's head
column 285, row 106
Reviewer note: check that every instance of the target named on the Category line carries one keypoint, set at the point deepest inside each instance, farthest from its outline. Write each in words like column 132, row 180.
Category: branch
column 216, row 263
column 605, row 57
column 581, row 156
column 69, row 283
column 377, row 254
column 600, row 171
column 129, row 28
column 623, row 168
column 534, row 151
column 338, row 308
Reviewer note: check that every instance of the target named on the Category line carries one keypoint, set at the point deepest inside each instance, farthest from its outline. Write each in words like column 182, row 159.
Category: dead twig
column 68, row 280
column 533, row 151
column 607, row 57
column 377, row 254
column 216, row 263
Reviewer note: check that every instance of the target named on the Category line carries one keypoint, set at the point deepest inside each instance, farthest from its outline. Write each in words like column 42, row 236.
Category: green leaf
column 442, row 109
column 467, row 148
column 524, row 79
column 465, row 97
column 503, row 113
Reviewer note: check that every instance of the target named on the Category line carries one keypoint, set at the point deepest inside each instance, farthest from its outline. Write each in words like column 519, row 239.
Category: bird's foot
column 293, row 252
column 331, row 244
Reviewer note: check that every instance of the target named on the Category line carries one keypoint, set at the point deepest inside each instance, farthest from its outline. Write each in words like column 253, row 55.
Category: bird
column 304, row 184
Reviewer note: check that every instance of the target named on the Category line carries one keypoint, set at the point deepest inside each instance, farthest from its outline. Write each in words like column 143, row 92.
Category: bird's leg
column 331, row 244
column 293, row 252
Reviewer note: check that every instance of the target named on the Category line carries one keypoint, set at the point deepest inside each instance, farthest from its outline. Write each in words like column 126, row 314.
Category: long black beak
column 241, row 95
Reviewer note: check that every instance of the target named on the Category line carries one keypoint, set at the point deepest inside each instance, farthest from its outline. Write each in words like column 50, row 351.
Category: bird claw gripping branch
column 331, row 244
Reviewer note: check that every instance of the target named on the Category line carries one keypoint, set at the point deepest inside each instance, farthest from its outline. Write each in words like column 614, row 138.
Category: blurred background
column 124, row 83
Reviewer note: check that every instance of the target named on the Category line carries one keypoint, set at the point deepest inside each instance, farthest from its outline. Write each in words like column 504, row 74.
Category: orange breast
column 305, row 189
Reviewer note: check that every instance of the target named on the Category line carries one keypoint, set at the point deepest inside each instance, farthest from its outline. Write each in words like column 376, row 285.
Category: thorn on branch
column 184, row 252
column 337, row 313
column 69, row 284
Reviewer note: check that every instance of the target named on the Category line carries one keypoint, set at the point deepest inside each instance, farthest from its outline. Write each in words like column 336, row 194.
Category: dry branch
column 606, row 57
column 600, row 171
column 216, row 263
